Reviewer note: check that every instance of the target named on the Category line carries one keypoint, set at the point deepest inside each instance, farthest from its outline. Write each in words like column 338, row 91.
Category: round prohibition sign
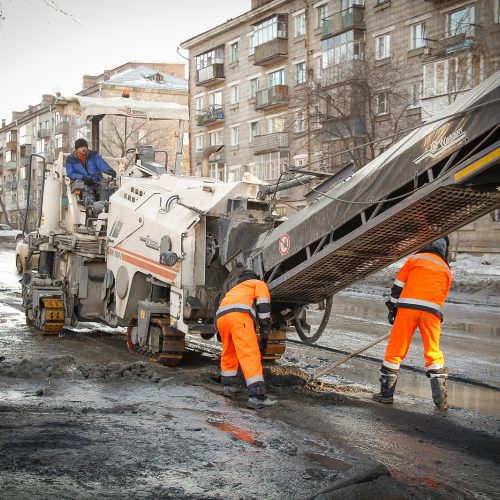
column 284, row 244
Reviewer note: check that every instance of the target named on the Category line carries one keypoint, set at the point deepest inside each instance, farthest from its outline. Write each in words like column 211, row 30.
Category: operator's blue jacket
column 95, row 166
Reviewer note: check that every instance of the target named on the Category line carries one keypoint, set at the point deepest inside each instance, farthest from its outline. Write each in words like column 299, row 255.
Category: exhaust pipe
column 206, row 155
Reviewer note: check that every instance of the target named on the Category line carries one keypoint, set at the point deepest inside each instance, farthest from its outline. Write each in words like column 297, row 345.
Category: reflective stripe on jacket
column 250, row 296
column 422, row 283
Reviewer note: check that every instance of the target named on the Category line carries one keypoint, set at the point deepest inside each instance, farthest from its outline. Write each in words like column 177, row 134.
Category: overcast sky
column 43, row 51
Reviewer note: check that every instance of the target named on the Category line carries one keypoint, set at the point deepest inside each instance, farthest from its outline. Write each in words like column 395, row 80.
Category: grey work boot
column 388, row 379
column 439, row 379
column 256, row 402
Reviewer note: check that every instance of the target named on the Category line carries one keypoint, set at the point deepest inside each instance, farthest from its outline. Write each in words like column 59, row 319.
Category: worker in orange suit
column 417, row 300
column 247, row 303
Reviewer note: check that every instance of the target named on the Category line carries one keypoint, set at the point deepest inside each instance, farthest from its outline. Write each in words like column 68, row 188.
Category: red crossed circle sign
column 284, row 244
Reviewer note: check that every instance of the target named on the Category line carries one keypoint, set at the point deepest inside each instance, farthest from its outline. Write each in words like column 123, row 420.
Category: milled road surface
column 83, row 418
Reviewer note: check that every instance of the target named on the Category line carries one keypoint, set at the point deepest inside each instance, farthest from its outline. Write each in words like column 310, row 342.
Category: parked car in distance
column 9, row 234
column 22, row 253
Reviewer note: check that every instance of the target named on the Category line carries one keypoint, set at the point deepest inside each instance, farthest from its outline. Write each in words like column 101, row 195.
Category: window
column 215, row 56
column 322, row 13
column 299, row 123
column 234, row 48
column 276, row 124
column 414, row 94
column 381, row 107
column 40, row 146
column 300, row 24
column 59, row 143
column 235, row 136
column 253, row 131
column 340, row 48
column 253, row 87
column 270, row 29
column 460, row 22
column 215, row 99
column 276, row 78
column 251, row 44
column 417, row 36
column 383, row 46
column 215, row 138
column 198, row 103
column 497, row 11
column 198, row 140
column 10, row 156
column 234, row 94
column 300, row 73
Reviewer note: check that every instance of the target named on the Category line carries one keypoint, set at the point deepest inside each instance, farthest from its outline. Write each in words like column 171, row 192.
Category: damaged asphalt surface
column 81, row 417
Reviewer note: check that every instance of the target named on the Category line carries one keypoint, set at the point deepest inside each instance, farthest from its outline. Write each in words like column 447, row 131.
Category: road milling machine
column 166, row 247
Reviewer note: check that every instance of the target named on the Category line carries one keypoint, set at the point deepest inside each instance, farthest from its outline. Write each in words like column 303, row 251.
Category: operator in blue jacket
column 87, row 166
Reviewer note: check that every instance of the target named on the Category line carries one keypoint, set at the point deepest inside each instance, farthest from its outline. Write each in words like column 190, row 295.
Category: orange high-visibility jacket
column 422, row 283
column 250, row 296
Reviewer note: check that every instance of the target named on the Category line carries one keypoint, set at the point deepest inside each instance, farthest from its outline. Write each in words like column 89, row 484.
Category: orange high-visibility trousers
column 407, row 321
column 240, row 346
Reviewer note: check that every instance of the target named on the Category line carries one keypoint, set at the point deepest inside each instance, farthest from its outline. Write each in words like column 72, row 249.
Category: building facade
column 42, row 130
column 326, row 83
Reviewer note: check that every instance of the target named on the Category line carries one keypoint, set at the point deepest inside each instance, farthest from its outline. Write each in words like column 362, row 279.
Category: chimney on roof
column 88, row 81
column 106, row 75
column 3, row 122
column 16, row 115
column 47, row 99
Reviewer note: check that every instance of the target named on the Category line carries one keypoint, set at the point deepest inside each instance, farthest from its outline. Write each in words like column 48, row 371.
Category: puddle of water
column 238, row 433
column 471, row 397
column 329, row 463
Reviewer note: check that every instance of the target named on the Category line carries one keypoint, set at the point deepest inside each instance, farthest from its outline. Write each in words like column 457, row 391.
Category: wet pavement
column 81, row 417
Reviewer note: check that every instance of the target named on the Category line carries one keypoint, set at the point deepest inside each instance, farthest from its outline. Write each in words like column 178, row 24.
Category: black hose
column 321, row 328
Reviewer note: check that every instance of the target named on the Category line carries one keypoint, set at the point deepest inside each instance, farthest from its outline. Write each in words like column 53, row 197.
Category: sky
column 44, row 51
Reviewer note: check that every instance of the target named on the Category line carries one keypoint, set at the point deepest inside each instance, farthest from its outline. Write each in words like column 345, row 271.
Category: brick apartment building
column 42, row 130
column 310, row 83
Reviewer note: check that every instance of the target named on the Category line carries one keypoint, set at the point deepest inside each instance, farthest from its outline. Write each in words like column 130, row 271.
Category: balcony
column 218, row 157
column 23, row 161
column 212, row 114
column 11, row 146
column 43, row 133
column 11, row 185
column 342, row 73
column 271, row 52
column 210, row 75
column 62, row 128
column 271, row 97
column 270, row 143
column 23, row 183
column 446, row 44
column 348, row 19
column 10, row 165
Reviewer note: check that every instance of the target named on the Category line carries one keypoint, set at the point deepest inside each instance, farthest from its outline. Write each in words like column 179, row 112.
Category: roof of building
column 144, row 76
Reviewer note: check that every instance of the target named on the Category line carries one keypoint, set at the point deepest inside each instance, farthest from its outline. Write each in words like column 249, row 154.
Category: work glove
column 111, row 173
column 391, row 317
column 88, row 180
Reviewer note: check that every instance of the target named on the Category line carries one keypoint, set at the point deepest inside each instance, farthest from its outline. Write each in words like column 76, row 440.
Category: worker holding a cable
column 417, row 300
column 245, row 304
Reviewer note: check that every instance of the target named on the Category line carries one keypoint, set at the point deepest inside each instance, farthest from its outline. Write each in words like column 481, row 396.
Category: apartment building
column 327, row 83
column 42, row 130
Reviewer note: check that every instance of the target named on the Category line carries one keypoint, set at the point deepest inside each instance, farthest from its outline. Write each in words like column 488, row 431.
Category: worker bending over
column 417, row 300
column 87, row 166
column 243, row 305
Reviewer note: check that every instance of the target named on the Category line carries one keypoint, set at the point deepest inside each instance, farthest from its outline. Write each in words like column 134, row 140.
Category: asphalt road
column 83, row 418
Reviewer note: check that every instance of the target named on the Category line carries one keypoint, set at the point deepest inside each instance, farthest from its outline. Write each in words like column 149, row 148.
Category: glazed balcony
column 210, row 75
column 271, row 97
column 25, row 140
column 11, row 145
column 271, row 52
column 348, row 19
column 270, row 143
column 212, row 114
